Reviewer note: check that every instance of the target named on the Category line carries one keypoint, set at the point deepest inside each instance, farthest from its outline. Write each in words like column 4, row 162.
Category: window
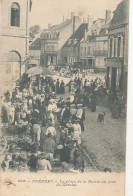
column 52, row 47
column 119, row 47
column 114, row 47
column 111, row 46
column 15, row 15
column 88, row 50
column 85, row 50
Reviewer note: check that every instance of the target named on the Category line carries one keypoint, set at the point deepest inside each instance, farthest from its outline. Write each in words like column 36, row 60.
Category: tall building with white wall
column 14, row 40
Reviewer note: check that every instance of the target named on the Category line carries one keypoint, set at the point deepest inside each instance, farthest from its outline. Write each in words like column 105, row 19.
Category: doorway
column 113, row 78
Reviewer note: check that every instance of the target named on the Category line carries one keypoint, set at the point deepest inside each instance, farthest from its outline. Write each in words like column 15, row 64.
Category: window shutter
column 121, row 49
column 112, row 47
column 116, row 50
column 109, row 48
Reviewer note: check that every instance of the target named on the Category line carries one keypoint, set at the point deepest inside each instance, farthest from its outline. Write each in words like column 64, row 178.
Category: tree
column 34, row 30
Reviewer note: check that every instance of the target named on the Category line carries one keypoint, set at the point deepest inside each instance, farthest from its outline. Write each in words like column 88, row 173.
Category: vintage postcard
column 63, row 97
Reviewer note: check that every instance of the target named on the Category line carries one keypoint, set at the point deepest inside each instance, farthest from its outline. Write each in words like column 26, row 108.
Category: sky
column 46, row 12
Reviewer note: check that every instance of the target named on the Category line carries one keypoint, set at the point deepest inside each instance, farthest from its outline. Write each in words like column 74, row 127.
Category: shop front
column 115, row 74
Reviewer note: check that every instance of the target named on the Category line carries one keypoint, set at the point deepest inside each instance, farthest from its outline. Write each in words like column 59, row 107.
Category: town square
column 63, row 91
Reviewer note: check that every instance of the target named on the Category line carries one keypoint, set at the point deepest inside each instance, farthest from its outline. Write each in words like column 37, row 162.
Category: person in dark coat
column 66, row 114
column 57, row 87
column 78, row 160
column 33, row 163
column 43, row 114
column 53, row 86
column 65, row 154
column 86, row 100
column 69, row 86
column 116, row 108
column 62, row 87
column 4, row 115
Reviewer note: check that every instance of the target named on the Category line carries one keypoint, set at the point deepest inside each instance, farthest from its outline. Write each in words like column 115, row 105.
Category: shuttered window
column 15, row 15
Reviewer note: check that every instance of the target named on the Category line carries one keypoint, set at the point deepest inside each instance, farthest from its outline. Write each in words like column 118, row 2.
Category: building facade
column 117, row 60
column 70, row 52
column 14, row 40
column 35, row 50
column 53, row 39
column 94, row 45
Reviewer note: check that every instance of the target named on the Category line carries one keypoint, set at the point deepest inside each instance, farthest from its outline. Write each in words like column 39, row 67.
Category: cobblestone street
column 105, row 143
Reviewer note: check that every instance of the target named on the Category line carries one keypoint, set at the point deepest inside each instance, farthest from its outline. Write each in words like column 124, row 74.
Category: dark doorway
column 90, row 63
column 107, row 79
column 121, row 80
column 113, row 79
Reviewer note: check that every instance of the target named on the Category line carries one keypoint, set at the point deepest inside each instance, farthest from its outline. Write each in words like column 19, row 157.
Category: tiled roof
column 120, row 14
column 36, row 44
column 60, row 26
column 104, row 28
column 77, row 36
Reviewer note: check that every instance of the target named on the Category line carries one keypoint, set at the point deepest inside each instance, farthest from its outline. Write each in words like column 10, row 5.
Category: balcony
column 100, row 52
column 49, row 52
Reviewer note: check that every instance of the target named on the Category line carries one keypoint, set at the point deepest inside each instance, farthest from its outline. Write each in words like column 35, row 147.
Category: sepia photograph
column 63, row 96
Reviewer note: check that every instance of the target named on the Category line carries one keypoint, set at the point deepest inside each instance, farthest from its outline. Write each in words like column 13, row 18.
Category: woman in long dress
column 116, row 108
column 57, row 87
column 62, row 87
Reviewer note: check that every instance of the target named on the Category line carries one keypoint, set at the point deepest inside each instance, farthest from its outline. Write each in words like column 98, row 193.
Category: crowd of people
column 44, row 131
column 46, row 126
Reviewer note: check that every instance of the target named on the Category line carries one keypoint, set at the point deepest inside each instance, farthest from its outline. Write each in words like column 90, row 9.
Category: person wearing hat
column 69, row 125
column 73, row 111
column 32, row 163
column 43, row 164
column 49, row 147
column 52, row 86
column 50, row 118
column 79, row 115
column 79, row 111
column 63, row 134
column 76, row 135
column 66, row 114
column 12, row 113
column 65, row 153
column 78, row 160
column 57, row 87
column 36, row 113
column 5, row 165
column 93, row 102
column 51, row 129
column 68, row 103
column 62, row 87
column 52, row 105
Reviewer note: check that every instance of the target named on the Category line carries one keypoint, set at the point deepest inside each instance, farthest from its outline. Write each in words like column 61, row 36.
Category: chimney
column 90, row 21
column 72, row 15
column 108, row 16
column 84, row 20
column 63, row 17
column 73, row 22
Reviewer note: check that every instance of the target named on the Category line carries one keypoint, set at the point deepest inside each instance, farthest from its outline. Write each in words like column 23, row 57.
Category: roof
column 104, row 28
column 60, row 26
column 120, row 14
column 77, row 36
column 36, row 44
